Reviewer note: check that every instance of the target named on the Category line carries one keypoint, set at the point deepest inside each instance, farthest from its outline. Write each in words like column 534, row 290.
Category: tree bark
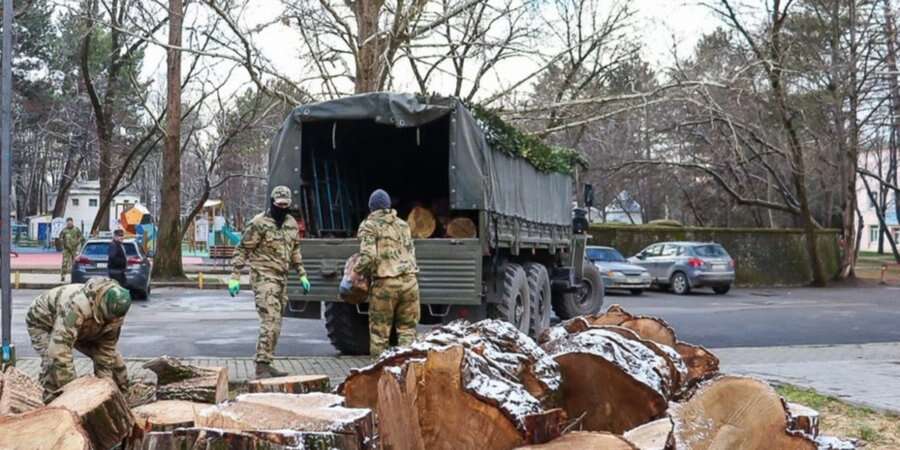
column 167, row 415
column 18, row 392
column 168, row 262
column 101, row 407
column 178, row 381
column 803, row 419
column 43, row 429
column 296, row 384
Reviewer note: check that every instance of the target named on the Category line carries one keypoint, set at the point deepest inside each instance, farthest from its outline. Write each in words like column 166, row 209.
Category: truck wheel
column 588, row 299
column 514, row 305
column 348, row 330
column 540, row 298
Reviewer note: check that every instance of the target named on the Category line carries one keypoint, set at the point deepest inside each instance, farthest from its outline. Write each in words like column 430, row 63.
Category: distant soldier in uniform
column 71, row 240
column 388, row 258
column 87, row 317
column 271, row 246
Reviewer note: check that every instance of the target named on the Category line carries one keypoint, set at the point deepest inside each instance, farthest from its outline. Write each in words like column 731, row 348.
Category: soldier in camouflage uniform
column 71, row 240
column 388, row 258
column 87, row 317
column 271, row 246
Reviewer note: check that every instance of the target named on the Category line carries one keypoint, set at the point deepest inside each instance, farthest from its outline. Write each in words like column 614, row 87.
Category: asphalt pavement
column 208, row 323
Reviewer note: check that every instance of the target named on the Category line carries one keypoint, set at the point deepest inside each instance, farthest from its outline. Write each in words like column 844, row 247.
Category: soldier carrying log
column 388, row 258
column 271, row 246
column 87, row 317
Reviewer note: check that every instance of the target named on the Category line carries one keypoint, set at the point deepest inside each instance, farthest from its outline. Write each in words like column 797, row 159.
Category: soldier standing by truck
column 388, row 258
column 71, row 240
column 87, row 317
column 271, row 246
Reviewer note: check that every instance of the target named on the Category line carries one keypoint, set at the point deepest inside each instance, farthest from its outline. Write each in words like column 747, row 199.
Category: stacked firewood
column 608, row 381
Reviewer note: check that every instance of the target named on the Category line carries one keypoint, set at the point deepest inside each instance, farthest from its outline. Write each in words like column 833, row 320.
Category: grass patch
column 879, row 431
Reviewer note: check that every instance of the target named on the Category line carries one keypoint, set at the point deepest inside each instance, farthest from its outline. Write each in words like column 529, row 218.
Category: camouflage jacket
column 72, row 316
column 71, row 239
column 386, row 248
column 271, row 252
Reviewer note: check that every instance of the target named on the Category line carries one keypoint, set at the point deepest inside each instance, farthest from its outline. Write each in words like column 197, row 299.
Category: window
column 92, row 202
column 74, row 202
column 670, row 250
column 604, row 255
column 102, row 249
column 873, row 233
column 653, row 250
column 710, row 251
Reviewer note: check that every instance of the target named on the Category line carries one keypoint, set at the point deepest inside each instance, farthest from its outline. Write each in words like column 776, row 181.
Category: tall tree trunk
column 370, row 48
column 168, row 259
column 69, row 174
column 850, row 155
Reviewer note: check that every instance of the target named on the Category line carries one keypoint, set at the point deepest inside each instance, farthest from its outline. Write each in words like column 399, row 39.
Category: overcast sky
column 662, row 26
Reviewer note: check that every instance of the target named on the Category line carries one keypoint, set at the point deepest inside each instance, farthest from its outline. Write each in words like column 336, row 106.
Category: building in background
column 876, row 162
column 623, row 209
column 84, row 202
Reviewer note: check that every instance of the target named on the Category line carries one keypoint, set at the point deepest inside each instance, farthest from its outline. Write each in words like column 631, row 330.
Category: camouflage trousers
column 106, row 364
column 271, row 298
column 393, row 303
column 67, row 259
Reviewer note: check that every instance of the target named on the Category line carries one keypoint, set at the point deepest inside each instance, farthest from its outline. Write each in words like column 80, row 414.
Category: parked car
column 683, row 266
column 617, row 273
column 92, row 262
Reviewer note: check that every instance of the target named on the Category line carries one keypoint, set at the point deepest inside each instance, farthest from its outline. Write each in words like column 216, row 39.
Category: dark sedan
column 92, row 262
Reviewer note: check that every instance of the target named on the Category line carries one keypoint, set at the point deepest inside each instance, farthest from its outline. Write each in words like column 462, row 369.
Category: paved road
column 190, row 322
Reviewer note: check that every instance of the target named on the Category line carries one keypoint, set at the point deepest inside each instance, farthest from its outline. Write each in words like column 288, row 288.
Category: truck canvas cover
column 480, row 178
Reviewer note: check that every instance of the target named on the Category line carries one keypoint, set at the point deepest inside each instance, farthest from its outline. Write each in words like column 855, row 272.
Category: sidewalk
column 31, row 280
column 866, row 375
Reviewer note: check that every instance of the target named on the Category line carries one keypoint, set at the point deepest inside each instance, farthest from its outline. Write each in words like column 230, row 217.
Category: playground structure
column 210, row 232
column 138, row 223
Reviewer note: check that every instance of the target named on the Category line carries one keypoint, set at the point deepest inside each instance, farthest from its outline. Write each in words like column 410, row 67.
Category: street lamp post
column 7, row 353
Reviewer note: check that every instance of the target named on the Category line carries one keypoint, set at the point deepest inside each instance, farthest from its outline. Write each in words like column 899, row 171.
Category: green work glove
column 234, row 286
column 305, row 283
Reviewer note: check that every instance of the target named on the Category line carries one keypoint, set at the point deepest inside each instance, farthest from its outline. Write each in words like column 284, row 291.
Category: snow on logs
column 179, row 381
column 294, row 384
column 487, row 379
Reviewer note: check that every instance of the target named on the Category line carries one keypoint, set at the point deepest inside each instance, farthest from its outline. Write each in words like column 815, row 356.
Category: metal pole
column 7, row 355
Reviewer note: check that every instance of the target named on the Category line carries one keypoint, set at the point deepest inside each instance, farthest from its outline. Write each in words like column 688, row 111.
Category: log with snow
column 583, row 440
column 486, row 378
column 179, row 381
column 43, row 429
column 101, row 407
column 18, row 392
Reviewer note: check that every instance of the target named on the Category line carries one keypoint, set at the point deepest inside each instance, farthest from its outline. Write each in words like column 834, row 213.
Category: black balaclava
column 277, row 213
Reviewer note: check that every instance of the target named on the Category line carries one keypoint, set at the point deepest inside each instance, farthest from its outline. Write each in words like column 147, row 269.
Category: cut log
column 295, row 384
column 398, row 415
column 614, row 384
column 803, row 419
column 700, row 362
column 614, row 315
column 677, row 369
column 486, row 378
column 652, row 329
column 215, row 439
column 309, row 415
column 18, row 392
column 140, row 394
column 735, row 413
column 656, row 435
column 167, row 415
column 421, row 222
column 583, row 440
column 43, row 429
column 462, row 228
column 179, row 381
column 102, row 408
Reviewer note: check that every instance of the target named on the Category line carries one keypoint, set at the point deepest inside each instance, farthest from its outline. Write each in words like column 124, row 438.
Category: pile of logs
column 424, row 224
column 608, row 381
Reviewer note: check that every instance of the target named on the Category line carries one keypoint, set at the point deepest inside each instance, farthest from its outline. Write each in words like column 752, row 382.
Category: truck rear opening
column 343, row 161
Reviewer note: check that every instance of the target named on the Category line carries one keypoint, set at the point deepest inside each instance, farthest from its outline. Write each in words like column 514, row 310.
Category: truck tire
column 540, row 298
column 586, row 300
column 514, row 302
column 348, row 330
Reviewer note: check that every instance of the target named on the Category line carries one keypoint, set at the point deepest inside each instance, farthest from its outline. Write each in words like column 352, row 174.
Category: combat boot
column 265, row 370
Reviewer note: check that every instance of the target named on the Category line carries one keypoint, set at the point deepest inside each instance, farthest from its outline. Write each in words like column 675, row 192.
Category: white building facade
column 876, row 162
column 84, row 203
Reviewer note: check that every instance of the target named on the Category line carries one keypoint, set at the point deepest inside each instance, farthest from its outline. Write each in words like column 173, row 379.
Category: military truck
column 431, row 152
